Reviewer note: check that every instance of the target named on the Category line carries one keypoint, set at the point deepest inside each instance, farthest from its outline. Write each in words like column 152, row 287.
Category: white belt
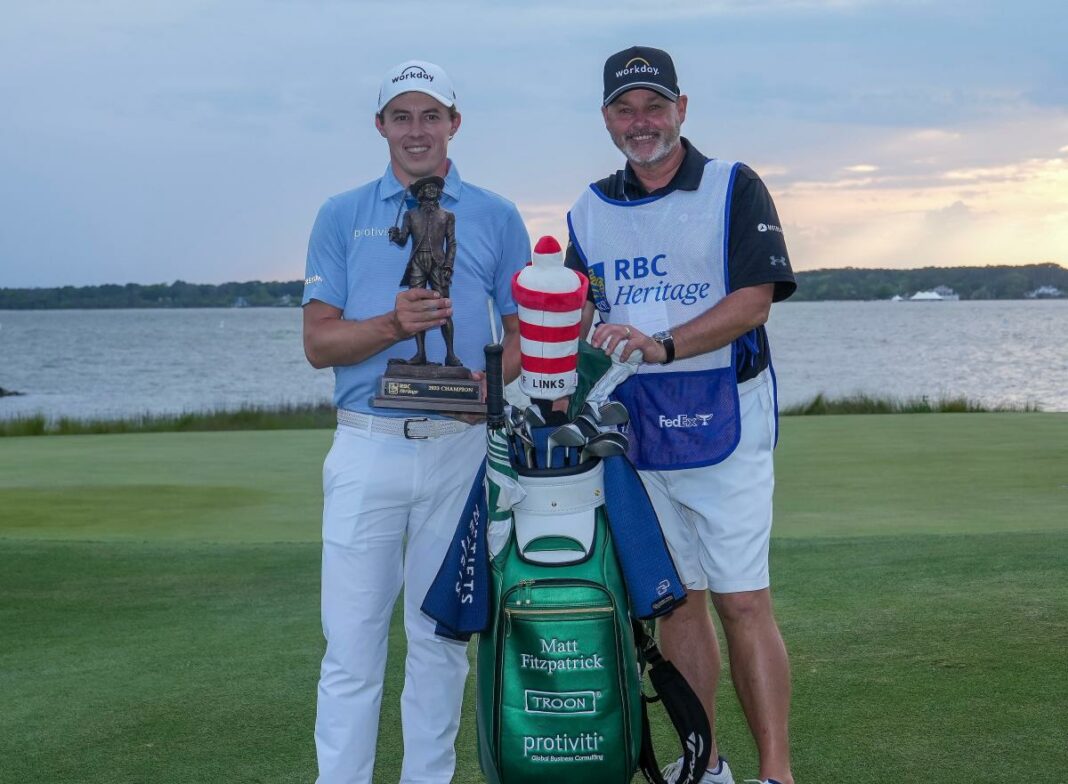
column 412, row 427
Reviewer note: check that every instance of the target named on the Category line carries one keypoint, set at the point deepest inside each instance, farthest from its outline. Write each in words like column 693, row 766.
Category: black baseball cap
column 640, row 66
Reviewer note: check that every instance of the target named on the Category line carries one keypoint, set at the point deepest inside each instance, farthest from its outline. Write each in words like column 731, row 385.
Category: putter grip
column 495, row 384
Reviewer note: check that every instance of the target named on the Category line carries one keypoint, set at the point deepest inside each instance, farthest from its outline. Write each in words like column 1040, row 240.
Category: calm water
column 105, row 363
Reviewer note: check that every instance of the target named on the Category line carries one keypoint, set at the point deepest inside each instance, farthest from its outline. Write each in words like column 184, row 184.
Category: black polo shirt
column 756, row 247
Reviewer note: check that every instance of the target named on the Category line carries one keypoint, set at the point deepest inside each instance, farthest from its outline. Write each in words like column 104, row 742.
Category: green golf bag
column 560, row 653
column 558, row 673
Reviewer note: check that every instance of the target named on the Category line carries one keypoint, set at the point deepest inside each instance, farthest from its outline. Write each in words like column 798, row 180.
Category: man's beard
column 665, row 145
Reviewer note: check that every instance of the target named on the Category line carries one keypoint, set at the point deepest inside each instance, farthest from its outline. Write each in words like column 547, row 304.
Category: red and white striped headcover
column 550, row 298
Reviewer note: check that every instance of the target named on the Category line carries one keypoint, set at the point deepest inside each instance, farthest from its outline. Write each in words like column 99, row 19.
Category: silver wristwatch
column 668, row 342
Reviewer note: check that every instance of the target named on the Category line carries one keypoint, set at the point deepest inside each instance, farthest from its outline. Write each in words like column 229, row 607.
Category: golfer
column 395, row 481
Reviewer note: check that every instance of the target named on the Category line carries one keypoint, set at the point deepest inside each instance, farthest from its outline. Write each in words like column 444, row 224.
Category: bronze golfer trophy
column 416, row 382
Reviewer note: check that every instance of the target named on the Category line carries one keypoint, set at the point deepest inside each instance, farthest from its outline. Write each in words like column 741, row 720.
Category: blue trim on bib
column 774, row 397
column 727, row 290
column 575, row 243
column 727, row 228
column 597, row 292
column 632, row 203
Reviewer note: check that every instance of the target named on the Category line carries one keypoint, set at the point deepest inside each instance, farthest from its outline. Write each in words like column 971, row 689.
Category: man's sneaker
column 721, row 774
column 761, row 781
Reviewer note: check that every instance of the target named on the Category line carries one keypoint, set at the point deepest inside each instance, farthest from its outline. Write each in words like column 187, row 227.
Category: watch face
column 660, row 337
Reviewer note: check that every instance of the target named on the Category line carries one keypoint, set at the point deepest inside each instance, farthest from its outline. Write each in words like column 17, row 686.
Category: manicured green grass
column 225, row 487
column 159, row 605
column 960, row 473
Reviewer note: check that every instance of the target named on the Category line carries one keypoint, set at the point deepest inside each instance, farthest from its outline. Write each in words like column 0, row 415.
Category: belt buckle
column 410, row 421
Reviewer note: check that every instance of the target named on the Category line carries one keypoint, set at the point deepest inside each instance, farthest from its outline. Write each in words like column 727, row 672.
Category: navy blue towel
column 459, row 597
column 653, row 582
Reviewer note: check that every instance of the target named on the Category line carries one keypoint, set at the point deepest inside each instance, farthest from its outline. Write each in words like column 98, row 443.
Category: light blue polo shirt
column 353, row 266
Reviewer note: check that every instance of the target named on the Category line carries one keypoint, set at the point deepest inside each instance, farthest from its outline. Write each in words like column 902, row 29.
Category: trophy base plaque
column 429, row 387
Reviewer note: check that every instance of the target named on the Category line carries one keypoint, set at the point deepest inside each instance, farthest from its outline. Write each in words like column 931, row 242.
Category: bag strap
column 683, row 708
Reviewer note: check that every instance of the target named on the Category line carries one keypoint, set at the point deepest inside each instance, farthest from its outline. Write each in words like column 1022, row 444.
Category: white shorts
column 717, row 518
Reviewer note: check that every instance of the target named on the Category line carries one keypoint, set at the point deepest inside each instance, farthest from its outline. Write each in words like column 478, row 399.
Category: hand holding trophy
column 416, row 382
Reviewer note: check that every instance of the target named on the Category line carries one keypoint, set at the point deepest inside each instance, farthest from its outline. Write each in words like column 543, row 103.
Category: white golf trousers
column 390, row 508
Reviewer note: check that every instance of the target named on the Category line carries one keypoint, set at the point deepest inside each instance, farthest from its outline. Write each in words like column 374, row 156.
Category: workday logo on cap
column 417, row 76
column 412, row 72
column 640, row 66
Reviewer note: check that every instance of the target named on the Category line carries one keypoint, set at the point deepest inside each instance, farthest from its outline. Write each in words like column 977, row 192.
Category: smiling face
column 645, row 125
column 417, row 129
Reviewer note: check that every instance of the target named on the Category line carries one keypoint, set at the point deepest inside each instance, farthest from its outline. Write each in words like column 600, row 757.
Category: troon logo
column 639, row 65
column 563, row 703
column 684, row 420
column 413, row 72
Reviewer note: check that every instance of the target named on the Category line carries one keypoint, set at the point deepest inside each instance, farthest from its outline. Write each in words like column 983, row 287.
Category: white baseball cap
column 417, row 76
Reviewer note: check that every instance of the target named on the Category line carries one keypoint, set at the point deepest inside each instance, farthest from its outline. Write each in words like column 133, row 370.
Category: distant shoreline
column 848, row 284
column 791, row 301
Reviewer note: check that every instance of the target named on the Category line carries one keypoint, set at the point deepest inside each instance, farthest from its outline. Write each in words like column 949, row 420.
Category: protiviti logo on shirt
column 413, row 72
column 637, row 65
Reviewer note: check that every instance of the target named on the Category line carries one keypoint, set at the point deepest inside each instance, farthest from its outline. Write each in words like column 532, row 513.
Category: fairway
column 159, row 605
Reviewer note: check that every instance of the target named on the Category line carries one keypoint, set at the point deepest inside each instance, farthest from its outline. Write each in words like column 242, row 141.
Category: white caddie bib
column 656, row 263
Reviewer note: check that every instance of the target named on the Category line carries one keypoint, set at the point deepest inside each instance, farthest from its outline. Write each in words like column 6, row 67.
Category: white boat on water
column 925, row 296
column 938, row 294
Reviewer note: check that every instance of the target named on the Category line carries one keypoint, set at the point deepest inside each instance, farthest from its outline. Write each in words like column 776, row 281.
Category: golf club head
column 533, row 417
column 586, row 424
column 613, row 413
column 569, row 435
column 605, row 445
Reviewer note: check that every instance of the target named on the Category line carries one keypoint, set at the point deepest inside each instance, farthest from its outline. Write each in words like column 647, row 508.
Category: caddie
column 394, row 481
column 685, row 255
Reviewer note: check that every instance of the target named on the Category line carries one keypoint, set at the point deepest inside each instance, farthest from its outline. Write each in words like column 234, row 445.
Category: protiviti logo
column 638, row 65
column 413, row 72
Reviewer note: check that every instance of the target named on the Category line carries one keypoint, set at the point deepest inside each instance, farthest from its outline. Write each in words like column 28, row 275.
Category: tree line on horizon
column 848, row 283
column 1000, row 282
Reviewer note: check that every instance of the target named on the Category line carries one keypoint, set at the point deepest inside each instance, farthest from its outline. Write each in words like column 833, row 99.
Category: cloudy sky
column 147, row 141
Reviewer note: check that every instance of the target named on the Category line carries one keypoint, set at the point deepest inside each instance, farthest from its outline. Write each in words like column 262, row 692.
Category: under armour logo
column 778, row 261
